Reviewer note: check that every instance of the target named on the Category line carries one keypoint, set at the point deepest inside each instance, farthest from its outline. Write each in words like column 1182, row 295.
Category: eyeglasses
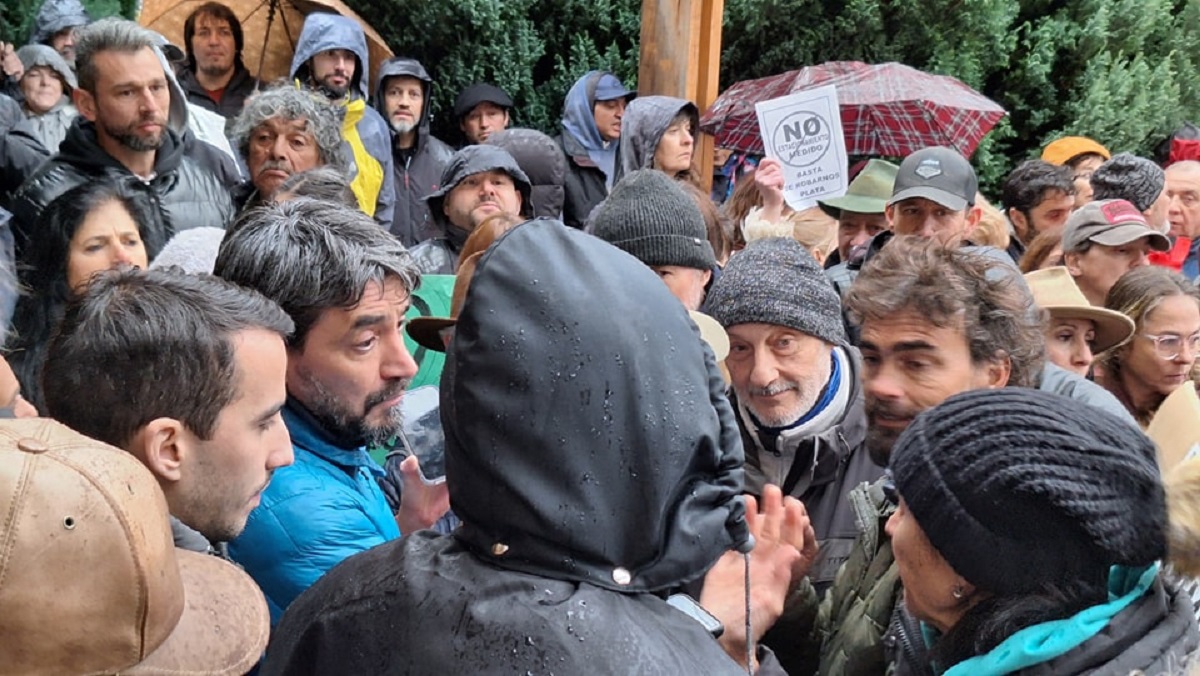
column 1168, row 347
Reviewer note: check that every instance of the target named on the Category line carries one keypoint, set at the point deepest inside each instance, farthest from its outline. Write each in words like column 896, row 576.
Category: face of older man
column 481, row 195
column 278, row 149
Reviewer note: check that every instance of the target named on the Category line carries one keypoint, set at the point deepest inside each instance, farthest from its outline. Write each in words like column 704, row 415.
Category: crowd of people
column 903, row 431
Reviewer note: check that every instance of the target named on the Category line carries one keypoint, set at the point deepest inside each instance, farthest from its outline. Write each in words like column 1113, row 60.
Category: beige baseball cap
column 90, row 578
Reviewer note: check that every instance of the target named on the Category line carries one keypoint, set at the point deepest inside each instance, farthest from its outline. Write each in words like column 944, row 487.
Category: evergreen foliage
column 1118, row 70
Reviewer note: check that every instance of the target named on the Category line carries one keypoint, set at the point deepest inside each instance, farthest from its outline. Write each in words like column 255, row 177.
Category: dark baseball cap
column 480, row 92
column 1112, row 223
column 609, row 88
column 939, row 174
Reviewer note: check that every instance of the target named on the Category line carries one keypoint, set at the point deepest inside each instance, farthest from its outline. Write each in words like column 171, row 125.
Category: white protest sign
column 804, row 132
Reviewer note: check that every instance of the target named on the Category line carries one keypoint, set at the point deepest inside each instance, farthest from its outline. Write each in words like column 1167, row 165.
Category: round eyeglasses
column 1169, row 346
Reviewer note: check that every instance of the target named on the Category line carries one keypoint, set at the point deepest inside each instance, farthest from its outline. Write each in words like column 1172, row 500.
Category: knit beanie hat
column 1016, row 487
column 1129, row 177
column 649, row 216
column 777, row 281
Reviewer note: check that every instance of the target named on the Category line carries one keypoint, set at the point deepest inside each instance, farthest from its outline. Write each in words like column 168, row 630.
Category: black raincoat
column 596, row 464
column 417, row 170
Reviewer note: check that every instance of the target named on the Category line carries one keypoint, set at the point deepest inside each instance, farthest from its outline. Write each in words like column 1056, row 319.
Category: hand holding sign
column 804, row 132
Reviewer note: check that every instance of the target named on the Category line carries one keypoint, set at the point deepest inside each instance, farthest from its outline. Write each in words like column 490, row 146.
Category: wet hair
column 1136, row 294
column 319, row 183
column 310, row 256
column 1039, row 249
column 953, row 288
column 42, row 270
column 323, row 119
column 213, row 10
column 1032, row 182
column 720, row 232
column 744, row 198
column 107, row 35
column 140, row 345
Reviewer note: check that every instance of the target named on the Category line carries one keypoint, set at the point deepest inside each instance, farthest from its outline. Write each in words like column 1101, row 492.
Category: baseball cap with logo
column 939, row 174
column 1112, row 223
column 90, row 578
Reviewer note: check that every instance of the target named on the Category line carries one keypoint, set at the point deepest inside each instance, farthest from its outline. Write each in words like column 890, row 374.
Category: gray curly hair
column 286, row 101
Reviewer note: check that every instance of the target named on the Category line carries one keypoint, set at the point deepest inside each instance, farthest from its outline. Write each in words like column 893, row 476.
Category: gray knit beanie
column 777, row 281
column 1016, row 488
column 1129, row 177
column 649, row 216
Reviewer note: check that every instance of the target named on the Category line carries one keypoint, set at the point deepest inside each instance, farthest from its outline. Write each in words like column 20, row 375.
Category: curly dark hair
column 955, row 287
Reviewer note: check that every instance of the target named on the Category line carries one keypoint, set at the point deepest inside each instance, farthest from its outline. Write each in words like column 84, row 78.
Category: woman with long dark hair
column 94, row 227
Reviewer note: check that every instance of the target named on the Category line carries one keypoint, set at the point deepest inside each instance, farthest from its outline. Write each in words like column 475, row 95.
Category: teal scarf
column 1046, row 641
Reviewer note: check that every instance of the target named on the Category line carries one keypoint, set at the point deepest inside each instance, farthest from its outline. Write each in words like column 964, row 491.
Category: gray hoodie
column 646, row 120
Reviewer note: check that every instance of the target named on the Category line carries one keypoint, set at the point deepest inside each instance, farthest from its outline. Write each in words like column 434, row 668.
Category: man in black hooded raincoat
column 596, row 465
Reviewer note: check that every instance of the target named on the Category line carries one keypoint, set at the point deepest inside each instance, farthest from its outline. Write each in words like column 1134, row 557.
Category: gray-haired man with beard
column 347, row 289
column 796, row 388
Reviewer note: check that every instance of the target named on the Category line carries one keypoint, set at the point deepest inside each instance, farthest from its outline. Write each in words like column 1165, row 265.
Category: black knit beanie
column 650, row 216
column 777, row 281
column 1016, row 487
column 1129, row 177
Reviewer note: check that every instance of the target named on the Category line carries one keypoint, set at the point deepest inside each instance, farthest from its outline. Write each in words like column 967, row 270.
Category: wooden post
column 681, row 56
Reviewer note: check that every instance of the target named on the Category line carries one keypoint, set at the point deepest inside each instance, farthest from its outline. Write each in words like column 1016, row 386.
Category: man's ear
column 974, row 215
column 85, row 102
column 890, row 211
column 1018, row 220
column 1071, row 260
column 999, row 370
column 163, row 445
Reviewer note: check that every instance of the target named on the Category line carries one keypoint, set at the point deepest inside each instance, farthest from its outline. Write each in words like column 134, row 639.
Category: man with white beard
column 402, row 90
column 796, row 388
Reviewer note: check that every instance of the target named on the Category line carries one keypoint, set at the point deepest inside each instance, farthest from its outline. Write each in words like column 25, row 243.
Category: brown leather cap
column 90, row 579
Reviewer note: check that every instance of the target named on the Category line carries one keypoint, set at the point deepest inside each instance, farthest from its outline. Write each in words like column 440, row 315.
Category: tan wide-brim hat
column 225, row 623
column 713, row 333
column 1055, row 291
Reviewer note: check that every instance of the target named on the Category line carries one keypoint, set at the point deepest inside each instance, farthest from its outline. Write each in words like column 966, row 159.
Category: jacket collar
column 309, row 434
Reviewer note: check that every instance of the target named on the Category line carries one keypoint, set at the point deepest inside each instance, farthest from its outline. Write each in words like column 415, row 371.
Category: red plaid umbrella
column 888, row 109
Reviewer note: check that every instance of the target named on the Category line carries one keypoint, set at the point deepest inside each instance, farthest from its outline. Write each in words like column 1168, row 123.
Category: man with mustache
column 478, row 181
column 283, row 131
column 186, row 373
column 124, row 99
column 796, row 390
column 346, row 284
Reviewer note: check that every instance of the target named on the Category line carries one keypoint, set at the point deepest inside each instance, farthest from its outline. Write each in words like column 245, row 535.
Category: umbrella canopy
column 887, row 109
column 285, row 18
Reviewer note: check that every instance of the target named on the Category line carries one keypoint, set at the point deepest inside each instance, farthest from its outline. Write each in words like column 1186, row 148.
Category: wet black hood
column 587, row 429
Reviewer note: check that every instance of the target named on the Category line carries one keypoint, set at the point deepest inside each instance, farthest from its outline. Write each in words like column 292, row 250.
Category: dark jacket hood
column 332, row 31
column 583, row 444
column 543, row 161
column 646, row 120
column 55, row 15
column 401, row 65
column 472, row 160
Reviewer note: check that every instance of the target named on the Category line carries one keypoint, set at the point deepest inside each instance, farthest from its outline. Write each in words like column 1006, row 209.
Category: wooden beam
column 681, row 56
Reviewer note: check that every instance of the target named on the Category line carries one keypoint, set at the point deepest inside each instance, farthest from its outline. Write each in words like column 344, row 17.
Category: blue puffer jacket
column 325, row 507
